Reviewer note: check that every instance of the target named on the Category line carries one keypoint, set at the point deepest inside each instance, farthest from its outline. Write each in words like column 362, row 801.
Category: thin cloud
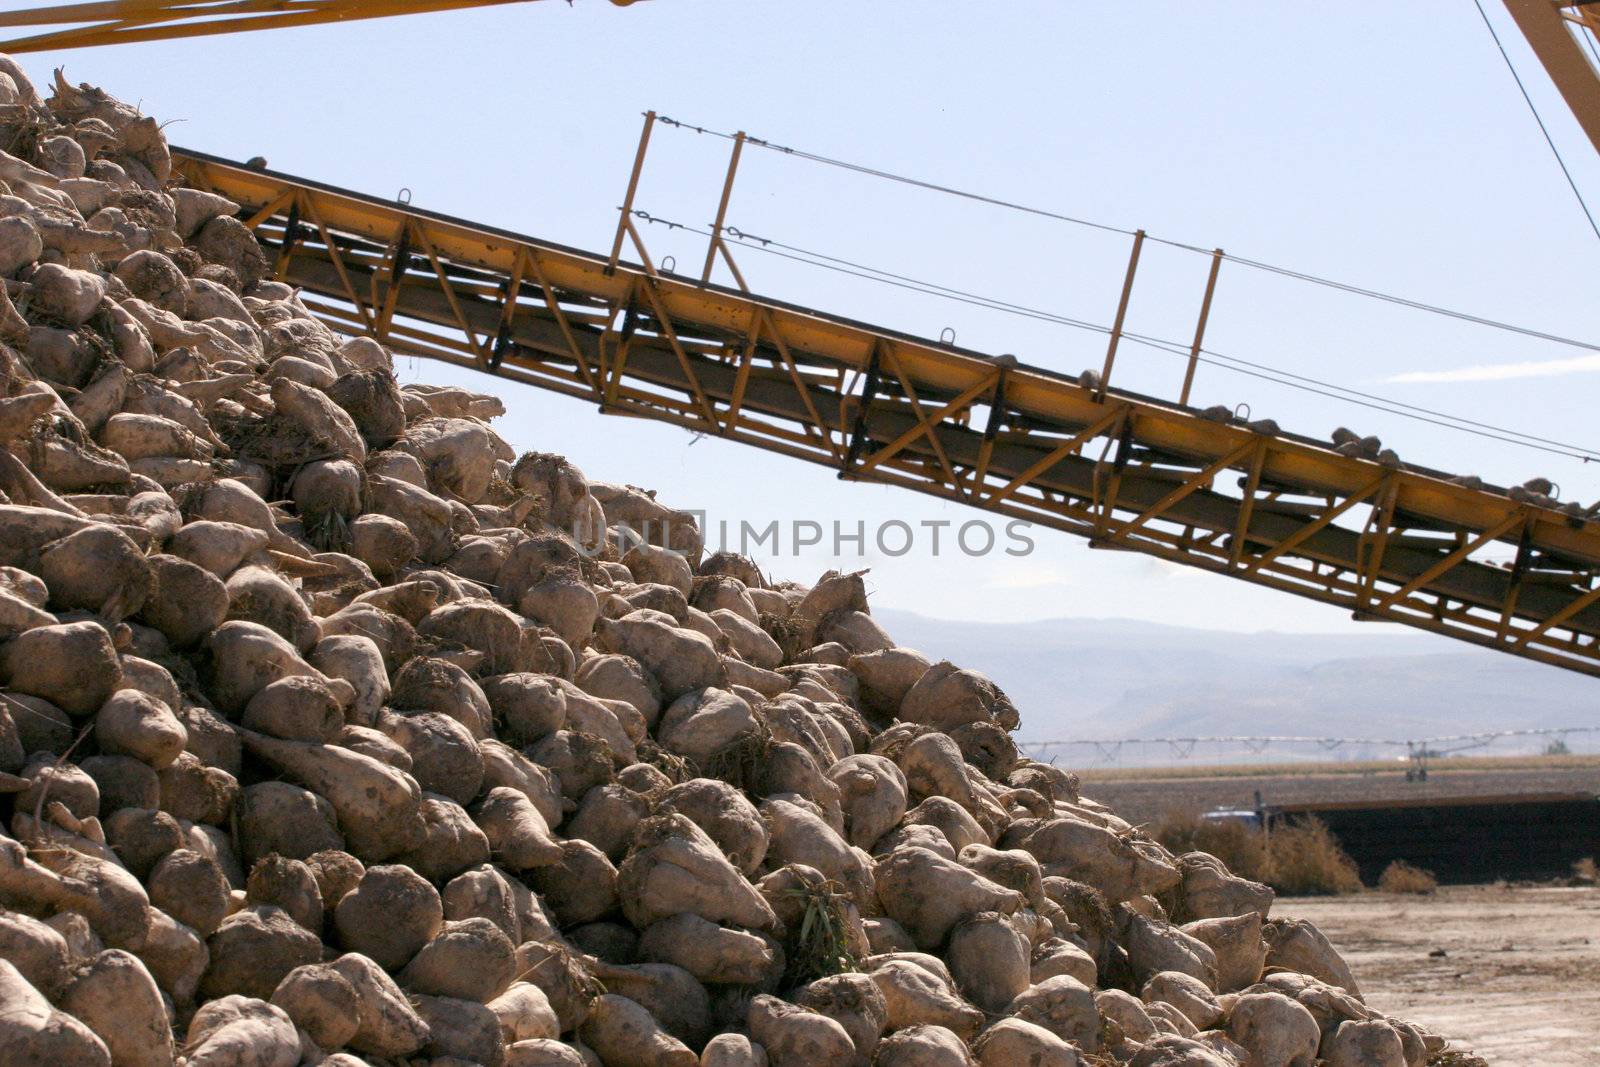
column 1021, row 577
column 1501, row 372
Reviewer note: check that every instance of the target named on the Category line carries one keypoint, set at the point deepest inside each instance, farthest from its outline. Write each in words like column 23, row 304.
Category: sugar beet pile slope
column 334, row 732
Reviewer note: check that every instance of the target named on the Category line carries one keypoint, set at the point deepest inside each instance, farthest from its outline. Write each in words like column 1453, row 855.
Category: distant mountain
column 1120, row 678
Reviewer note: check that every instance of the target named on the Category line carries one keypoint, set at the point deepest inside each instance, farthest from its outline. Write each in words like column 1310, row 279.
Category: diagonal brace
column 1193, row 483
column 1295, row 539
column 1499, row 529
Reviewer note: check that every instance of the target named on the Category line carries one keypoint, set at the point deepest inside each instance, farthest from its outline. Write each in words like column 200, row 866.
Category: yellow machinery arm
column 1123, row 470
column 126, row 21
column 1554, row 29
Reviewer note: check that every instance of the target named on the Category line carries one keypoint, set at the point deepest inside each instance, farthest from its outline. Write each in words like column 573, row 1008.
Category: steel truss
column 1123, row 470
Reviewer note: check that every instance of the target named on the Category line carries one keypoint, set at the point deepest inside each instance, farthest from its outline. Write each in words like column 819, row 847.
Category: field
column 1507, row 971
column 1144, row 794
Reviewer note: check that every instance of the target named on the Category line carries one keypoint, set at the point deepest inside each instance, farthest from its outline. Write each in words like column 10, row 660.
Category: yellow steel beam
column 85, row 25
column 1550, row 27
column 793, row 381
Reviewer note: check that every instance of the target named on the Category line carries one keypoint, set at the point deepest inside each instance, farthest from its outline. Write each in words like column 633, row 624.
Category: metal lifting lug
column 291, row 227
column 502, row 344
column 402, row 258
column 997, row 405
column 858, row 432
column 1124, row 447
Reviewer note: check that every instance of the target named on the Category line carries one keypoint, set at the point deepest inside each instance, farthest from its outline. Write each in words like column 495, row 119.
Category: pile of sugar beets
column 333, row 732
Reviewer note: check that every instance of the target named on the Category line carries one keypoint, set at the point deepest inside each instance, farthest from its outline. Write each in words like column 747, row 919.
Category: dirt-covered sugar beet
column 324, row 740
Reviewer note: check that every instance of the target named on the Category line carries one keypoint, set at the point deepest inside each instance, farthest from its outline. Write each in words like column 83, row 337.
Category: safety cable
column 1562, row 163
column 1243, row 261
column 920, row 183
column 1210, row 357
column 1174, row 347
column 921, row 284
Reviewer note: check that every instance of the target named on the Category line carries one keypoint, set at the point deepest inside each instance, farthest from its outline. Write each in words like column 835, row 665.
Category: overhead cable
column 1523, row 89
column 1234, row 363
column 1061, row 216
column 1264, row 372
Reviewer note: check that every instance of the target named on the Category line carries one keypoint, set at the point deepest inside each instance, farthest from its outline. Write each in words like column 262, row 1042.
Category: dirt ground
column 1512, row 973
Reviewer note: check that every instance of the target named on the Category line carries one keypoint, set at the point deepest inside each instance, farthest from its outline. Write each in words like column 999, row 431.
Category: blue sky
column 1377, row 143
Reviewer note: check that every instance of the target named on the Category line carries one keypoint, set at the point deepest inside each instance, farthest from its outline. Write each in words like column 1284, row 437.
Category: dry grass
column 1242, row 848
column 1586, row 872
column 1301, row 858
column 1402, row 877
column 1305, row 859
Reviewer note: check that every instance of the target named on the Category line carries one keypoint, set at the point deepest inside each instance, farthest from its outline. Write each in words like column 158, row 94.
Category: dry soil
column 1511, row 972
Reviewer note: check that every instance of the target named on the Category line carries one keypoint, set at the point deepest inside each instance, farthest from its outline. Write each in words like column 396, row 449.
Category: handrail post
column 1122, row 313
column 633, row 187
column 1200, row 326
column 722, row 207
